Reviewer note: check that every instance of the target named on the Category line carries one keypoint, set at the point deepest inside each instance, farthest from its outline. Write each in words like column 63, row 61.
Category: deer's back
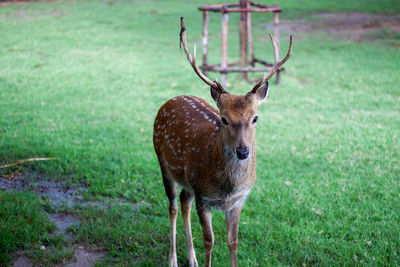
column 184, row 130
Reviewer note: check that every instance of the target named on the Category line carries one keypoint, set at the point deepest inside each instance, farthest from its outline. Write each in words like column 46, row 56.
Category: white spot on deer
column 166, row 136
column 175, row 168
column 212, row 111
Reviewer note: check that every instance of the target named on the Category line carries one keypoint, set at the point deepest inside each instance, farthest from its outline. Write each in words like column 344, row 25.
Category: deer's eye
column 255, row 119
column 224, row 121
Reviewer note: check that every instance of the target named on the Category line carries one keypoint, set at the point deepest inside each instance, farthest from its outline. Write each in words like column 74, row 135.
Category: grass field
column 82, row 81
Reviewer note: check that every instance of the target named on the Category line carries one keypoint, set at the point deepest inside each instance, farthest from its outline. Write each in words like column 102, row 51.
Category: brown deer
column 211, row 154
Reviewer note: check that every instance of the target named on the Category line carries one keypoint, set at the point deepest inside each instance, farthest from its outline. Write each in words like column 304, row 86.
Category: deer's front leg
column 232, row 224
column 206, row 223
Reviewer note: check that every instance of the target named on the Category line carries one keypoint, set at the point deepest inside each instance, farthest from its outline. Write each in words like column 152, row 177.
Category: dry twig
column 25, row 160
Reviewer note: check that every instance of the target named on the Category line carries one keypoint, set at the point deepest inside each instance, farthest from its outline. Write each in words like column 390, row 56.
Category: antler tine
column 192, row 60
column 266, row 77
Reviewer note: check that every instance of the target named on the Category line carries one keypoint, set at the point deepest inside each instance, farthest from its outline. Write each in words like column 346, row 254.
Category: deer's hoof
column 193, row 263
column 173, row 262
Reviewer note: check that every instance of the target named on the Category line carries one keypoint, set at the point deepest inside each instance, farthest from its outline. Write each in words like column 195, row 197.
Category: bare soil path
column 356, row 25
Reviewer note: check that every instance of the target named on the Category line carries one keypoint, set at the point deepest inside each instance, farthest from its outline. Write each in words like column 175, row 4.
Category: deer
column 211, row 154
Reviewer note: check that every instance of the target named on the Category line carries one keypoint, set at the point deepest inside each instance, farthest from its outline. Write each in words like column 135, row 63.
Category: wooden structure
column 246, row 8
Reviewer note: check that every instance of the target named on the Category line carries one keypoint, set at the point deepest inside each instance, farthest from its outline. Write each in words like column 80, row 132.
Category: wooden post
column 245, row 7
column 205, row 38
column 243, row 37
column 277, row 56
column 224, row 61
column 250, row 36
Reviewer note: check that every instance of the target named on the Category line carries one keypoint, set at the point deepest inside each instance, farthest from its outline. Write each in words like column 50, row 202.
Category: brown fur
column 196, row 150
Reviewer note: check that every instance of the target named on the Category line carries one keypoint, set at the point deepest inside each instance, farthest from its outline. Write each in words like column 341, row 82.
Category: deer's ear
column 262, row 92
column 215, row 94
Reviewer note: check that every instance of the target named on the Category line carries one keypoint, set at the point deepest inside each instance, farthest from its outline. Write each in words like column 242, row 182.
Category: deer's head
column 238, row 112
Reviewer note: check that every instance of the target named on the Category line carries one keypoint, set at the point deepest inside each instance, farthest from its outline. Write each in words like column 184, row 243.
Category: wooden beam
column 243, row 36
column 205, row 38
column 277, row 55
column 219, row 65
column 263, row 62
column 258, row 4
column 227, row 10
column 224, row 57
column 250, row 37
column 238, row 69
column 218, row 6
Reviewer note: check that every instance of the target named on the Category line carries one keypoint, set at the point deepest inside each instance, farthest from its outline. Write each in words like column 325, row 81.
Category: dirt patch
column 355, row 25
column 85, row 257
column 63, row 222
column 96, row 204
column 23, row 2
column 58, row 193
column 22, row 261
column 25, row 13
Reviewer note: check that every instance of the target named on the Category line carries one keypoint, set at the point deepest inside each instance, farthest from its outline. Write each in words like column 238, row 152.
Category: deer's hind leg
column 171, row 190
column 186, row 198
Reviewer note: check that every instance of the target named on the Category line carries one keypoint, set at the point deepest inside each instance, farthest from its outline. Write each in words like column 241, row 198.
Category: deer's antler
column 266, row 77
column 192, row 60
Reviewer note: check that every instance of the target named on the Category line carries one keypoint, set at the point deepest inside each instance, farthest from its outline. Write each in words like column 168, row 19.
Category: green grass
column 23, row 222
column 24, row 226
column 82, row 81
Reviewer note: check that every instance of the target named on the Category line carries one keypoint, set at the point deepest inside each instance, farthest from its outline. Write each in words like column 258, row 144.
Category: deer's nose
column 242, row 152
